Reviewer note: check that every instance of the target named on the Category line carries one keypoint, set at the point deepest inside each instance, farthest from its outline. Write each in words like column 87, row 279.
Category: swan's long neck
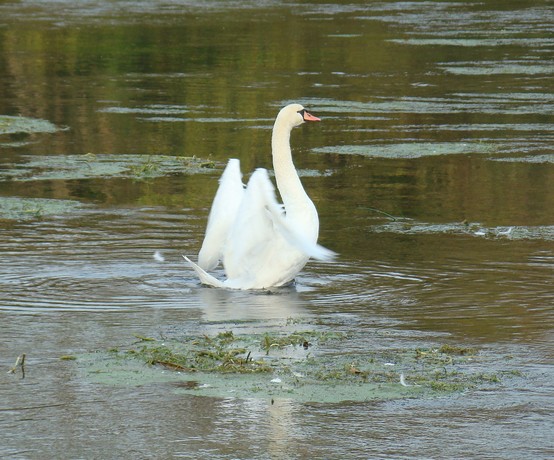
column 289, row 185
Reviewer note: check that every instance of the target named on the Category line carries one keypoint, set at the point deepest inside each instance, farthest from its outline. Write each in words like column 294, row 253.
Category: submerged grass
column 220, row 354
column 307, row 365
column 297, row 339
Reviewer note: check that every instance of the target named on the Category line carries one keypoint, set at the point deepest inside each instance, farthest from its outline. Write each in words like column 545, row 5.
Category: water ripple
column 95, row 266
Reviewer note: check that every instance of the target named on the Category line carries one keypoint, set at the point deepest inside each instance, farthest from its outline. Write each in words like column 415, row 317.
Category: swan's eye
column 301, row 112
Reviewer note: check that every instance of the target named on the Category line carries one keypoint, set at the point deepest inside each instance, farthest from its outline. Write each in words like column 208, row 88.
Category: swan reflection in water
column 225, row 305
column 246, row 312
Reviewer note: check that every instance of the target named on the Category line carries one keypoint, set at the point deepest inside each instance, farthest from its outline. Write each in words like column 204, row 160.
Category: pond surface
column 432, row 171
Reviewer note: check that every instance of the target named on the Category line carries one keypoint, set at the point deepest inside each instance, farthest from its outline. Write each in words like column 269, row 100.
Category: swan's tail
column 205, row 278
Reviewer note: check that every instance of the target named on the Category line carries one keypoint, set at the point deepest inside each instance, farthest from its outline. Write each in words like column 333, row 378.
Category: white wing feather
column 286, row 227
column 205, row 278
column 252, row 232
column 222, row 215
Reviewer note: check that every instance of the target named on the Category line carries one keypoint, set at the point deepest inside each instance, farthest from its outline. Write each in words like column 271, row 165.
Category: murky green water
column 432, row 171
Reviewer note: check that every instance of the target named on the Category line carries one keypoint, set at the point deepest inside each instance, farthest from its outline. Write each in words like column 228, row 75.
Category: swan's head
column 294, row 115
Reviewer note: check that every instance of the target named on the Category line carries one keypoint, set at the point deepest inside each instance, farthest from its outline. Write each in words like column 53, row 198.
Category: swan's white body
column 262, row 244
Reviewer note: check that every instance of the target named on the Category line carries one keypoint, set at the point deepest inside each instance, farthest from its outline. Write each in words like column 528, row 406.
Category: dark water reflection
column 433, row 172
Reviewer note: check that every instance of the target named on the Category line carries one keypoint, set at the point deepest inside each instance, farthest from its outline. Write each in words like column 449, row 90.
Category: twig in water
column 381, row 212
column 20, row 361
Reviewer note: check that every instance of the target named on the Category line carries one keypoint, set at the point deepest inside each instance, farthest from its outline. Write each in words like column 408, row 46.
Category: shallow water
column 431, row 170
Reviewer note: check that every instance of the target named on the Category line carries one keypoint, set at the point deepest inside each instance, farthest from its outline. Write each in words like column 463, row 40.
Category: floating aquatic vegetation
column 14, row 208
column 305, row 365
column 51, row 167
column 411, row 227
column 171, row 113
column 473, row 42
column 196, row 119
column 153, row 109
column 546, row 158
column 543, row 232
column 11, row 126
column 499, row 68
column 485, row 103
column 67, row 167
column 344, row 35
column 408, row 150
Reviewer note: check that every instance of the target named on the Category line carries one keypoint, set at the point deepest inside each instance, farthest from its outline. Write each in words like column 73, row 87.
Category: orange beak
column 310, row 117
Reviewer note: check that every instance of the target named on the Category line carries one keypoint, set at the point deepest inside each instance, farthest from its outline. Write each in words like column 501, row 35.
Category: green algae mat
column 306, row 365
column 15, row 208
column 72, row 167
column 82, row 167
column 17, row 131
column 24, row 125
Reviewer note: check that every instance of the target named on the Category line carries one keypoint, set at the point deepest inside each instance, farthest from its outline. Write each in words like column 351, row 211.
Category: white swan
column 262, row 244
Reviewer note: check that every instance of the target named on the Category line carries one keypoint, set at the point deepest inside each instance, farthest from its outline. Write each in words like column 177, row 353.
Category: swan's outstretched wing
column 222, row 215
column 293, row 232
column 296, row 238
